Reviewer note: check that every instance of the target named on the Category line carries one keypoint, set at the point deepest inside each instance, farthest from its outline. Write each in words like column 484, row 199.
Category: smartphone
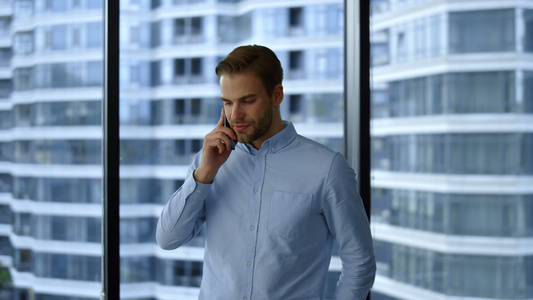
column 226, row 124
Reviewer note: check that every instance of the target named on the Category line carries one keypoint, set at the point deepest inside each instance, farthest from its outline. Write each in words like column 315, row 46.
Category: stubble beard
column 260, row 128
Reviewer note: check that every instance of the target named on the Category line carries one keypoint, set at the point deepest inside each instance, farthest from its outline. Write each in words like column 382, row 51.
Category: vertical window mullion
column 357, row 93
column 110, row 153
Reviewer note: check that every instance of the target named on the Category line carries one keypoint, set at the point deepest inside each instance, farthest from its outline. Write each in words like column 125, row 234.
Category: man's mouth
column 240, row 127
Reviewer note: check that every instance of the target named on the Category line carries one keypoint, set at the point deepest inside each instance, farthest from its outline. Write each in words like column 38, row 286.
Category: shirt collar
column 279, row 141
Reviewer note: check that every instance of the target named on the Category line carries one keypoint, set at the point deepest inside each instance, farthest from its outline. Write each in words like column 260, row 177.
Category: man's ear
column 277, row 95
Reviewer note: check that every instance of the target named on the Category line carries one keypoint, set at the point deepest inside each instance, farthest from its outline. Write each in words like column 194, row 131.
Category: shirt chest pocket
column 289, row 214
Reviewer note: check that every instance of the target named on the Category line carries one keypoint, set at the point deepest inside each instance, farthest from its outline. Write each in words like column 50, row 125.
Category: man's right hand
column 216, row 150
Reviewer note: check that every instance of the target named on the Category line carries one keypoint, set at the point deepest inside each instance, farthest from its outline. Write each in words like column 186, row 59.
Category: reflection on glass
column 50, row 157
column 170, row 98
column 452, row 149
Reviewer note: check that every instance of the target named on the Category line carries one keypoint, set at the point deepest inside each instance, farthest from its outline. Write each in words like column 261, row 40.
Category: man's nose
column 237, row 112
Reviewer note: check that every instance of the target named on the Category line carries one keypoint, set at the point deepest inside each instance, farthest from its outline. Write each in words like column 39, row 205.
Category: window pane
column 165, row 117
column 50, row 149
column 451, row 177
column 482, row 31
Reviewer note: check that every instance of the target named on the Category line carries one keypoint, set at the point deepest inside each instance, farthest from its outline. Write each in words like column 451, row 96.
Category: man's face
column 248, row 107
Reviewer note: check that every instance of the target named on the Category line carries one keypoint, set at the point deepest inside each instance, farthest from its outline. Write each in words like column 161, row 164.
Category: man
column 273, row 206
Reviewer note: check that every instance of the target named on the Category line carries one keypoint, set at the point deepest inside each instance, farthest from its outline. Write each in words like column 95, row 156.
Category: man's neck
column 276, row 127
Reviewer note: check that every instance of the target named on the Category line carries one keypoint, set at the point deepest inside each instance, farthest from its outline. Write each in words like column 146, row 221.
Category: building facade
column 50, row 133
column 452, row 149
column 50, row 169
column 452, row 140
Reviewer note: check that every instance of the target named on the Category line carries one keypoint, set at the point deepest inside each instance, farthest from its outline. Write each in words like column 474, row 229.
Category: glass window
column 5, row 23
column 457, row 214
column 441, row 151
column 295, row 17
column 380, row 54
column 5, row 57
column 50, row 133
column 296, row 65
column 163, row 124
column 482, row 31
column 5, row 214
column 94, row 35
column 451, row 153
column 179, row 27
column 528, row 38
column 23, row 8
column 188, row 30
column 23, row 43
column 23, row 260
column 296, row 108
column 296, row 21
column 6, row 87
column 527, row 98
column 23, row 79
column 196, row 27
column 59, row 37
column 196, row 69
column 56, row 6
column 487, row 92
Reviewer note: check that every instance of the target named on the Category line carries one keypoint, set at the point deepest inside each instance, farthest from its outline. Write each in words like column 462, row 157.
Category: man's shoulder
column 312, row 144
column 313, row 158
column 308, row 147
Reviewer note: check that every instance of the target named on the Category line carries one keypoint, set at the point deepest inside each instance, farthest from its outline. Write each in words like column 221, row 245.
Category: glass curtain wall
column 50, row 157
column 452, row 197
column 170, row 98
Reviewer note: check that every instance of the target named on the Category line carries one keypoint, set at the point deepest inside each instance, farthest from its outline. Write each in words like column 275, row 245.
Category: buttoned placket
column 253, row 219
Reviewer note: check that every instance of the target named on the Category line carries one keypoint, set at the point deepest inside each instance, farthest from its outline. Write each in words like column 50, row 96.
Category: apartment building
column 452, row 146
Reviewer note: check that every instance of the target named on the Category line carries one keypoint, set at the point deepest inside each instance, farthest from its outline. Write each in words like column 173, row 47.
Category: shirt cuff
column 196, row 189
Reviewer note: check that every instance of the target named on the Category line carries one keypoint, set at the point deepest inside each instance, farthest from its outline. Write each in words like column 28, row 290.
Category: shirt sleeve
column 184, row 213
column 347, row 221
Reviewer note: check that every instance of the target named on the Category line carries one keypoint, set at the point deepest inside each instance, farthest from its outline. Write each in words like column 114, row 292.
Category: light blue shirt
column 271, row 216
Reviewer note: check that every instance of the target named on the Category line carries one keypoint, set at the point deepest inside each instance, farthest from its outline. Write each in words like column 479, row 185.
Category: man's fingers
column 225, row 141
column 222, row 146
column 220, row 136
column 227, row 130
column 222, row 115
column 220, row 141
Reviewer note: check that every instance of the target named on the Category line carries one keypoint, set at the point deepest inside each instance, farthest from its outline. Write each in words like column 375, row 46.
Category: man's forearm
column 182, row 216
column 201, row 175
column 354, row 284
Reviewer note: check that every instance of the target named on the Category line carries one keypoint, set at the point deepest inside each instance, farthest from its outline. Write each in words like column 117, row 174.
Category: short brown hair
column 255, row 58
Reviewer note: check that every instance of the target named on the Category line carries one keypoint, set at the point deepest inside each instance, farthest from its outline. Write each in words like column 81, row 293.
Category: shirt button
column 199, row 191
column 191, row 188
column 252, row 227
column 245, row 298
column 256, row 190
column 249, row 263
column 178, row 211
column 273, row 149
column 260, row 155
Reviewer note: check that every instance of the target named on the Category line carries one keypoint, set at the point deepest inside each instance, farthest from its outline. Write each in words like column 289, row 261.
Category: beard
column 258, row 128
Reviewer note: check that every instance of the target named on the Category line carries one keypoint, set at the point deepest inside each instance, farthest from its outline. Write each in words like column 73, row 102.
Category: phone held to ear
column 226, row 124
